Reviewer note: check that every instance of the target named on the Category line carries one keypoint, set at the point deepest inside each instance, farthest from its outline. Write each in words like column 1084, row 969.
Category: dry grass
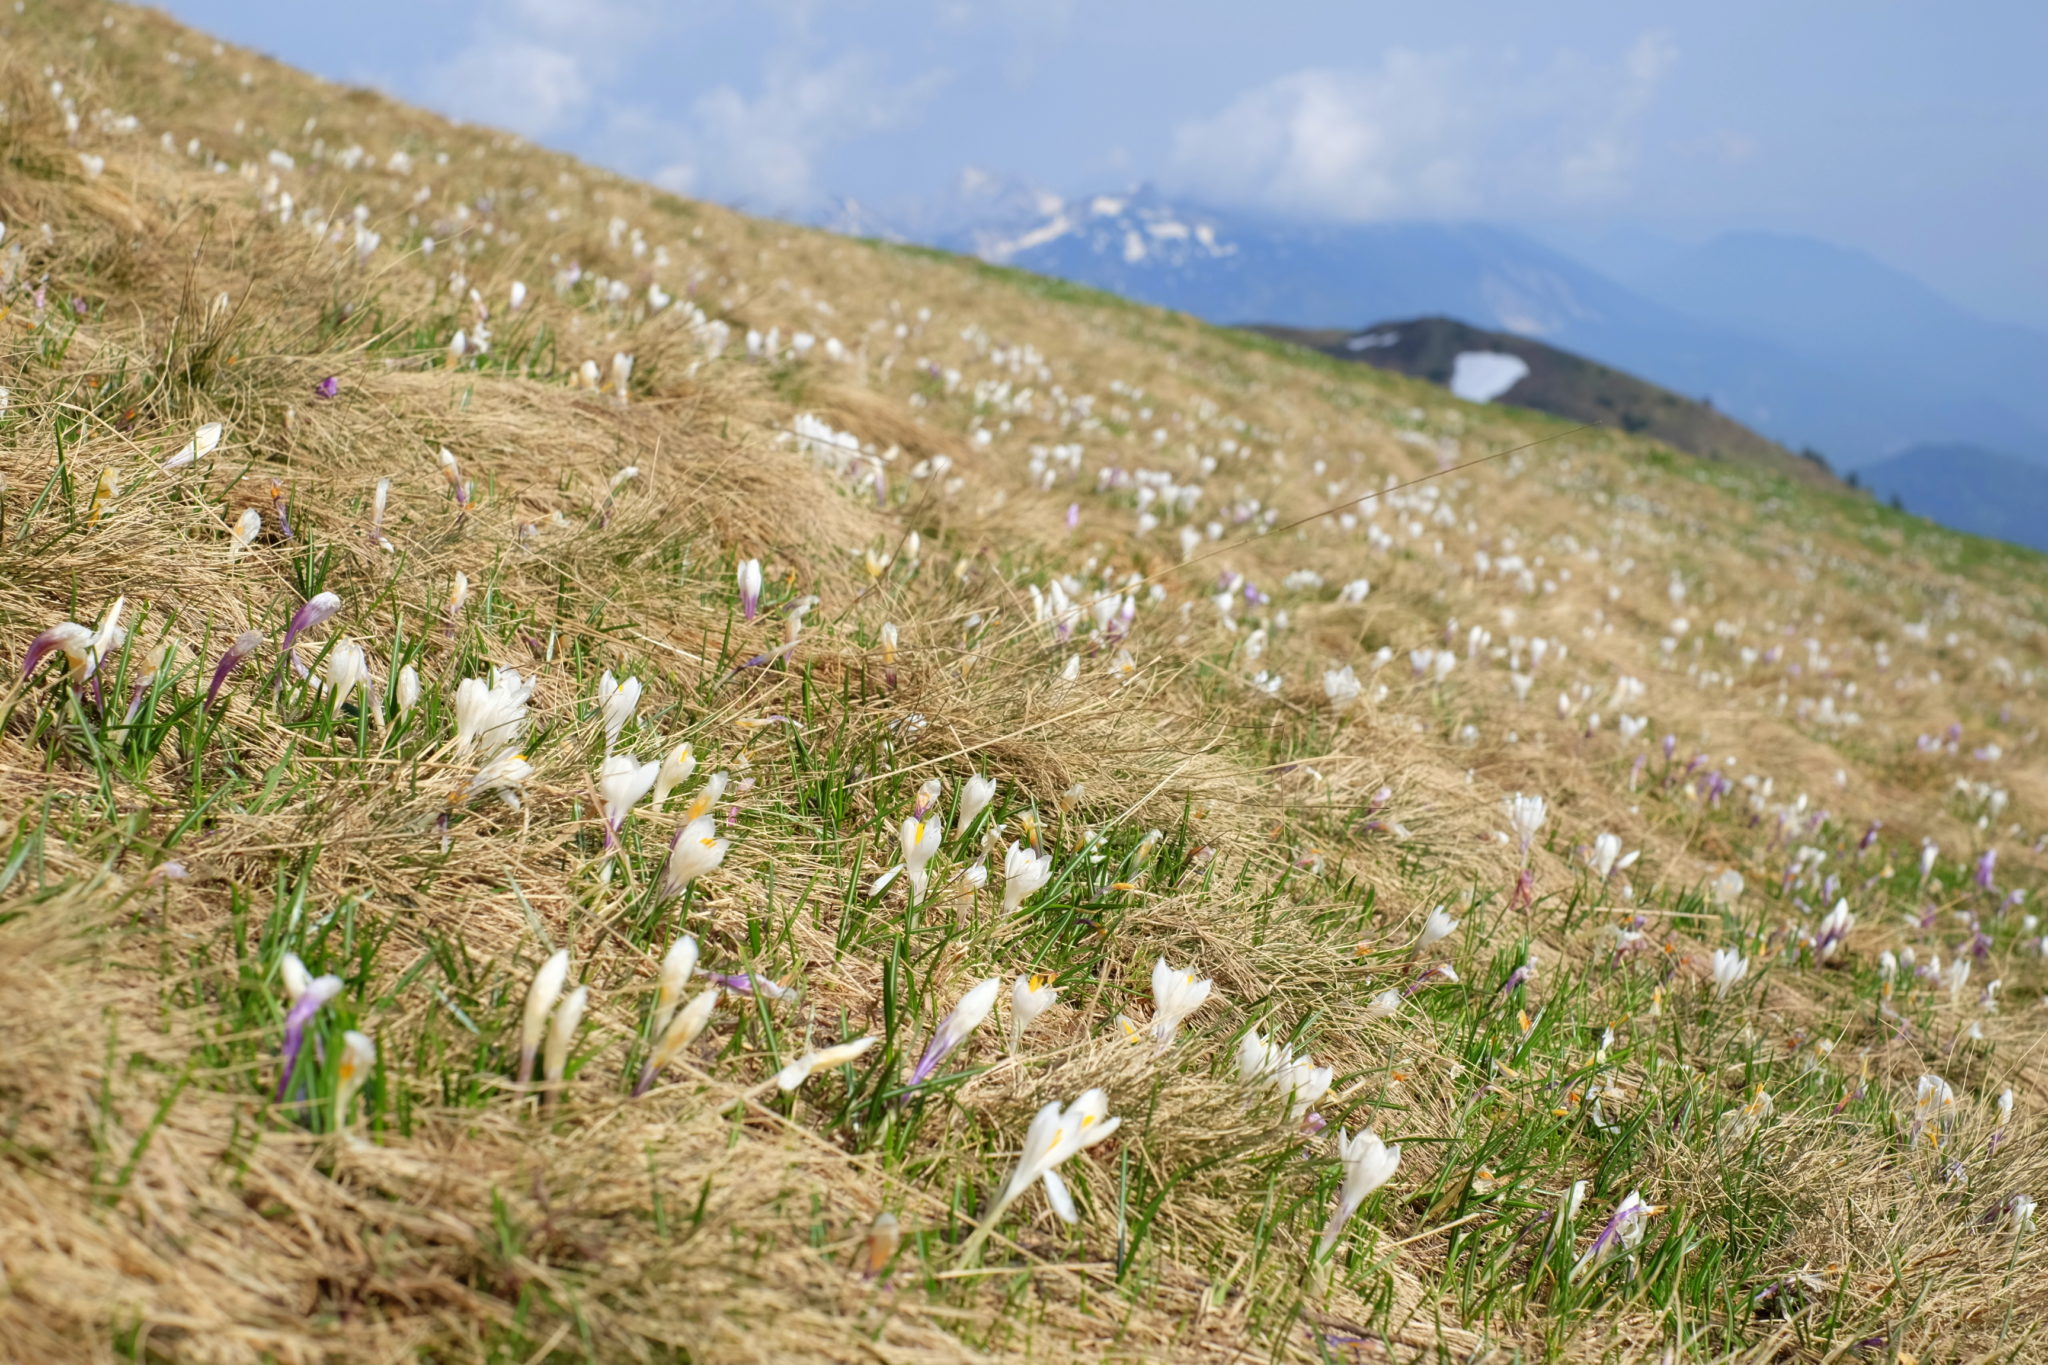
column 156, row 1202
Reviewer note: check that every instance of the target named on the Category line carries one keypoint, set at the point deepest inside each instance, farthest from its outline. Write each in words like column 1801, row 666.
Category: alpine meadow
column 585, row 777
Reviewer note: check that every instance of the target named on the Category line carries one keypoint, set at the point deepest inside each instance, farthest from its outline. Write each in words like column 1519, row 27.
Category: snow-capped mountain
column 1235, row 268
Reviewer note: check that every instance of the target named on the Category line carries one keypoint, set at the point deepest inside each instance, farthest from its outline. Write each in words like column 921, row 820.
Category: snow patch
column 1366, row 341
column 1002, row 251
column 1482, row 376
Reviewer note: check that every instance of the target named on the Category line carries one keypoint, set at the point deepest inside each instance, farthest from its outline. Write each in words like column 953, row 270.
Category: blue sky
column 1916, row 132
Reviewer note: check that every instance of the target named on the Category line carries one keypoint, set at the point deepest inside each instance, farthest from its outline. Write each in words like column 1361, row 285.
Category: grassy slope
column 155, row 1201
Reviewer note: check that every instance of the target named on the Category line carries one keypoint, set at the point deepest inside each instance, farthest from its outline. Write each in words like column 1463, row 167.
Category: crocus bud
column 407, row 689
column 358, row 1056
column 975, row 794
column 962, row 1020
column 198, row 448
column 540, row 999
column 244, row 645
column 318, row 992
column 677, row 966
column 750, row 587
column 1030, row 996
column 823, row 1059
column 682, row 1030
column 318, row 608
column 561, row 1032
column 675, row 770
column 243, row 533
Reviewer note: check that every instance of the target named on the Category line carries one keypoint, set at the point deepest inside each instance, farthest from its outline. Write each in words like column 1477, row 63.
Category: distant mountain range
column 1817, row 347
column 1970, row 488
column 1485, row 366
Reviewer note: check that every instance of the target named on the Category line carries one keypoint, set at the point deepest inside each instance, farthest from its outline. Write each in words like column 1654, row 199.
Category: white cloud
column 762, row 151
column 525, row 86
column 1442, row 134
column 539, row 67
column 562, row 72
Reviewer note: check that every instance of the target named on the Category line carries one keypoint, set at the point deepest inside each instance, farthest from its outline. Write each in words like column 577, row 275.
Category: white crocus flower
column 198, row 448
column 1368, row 1164
column 1175, row 995
column 678, row 965
column 1526, row 815
column 243, row 534
column 749, row 576
column 1606, row 857
column 684, row 1028
column 504, row 775
column 1056, row 1136
column 1342, row 687
column 1385, row 1005
column 618, row 701
column 1834, row 929
column 346, row 669
column 358, row 1056
column 490, row 715
column 1024, row 872
column 1263, row 1062
column 708, row 796
column 675, row 770
column 821, row 1059
column 1934, row 1108
column 1030, row 996
column 621, row 783
column 962, row 1020
column 920, row 840
column 697, row 850
column 1729, row 967
column 292, row 973
column 406, row 690
column 1437, row 927
column 541, row 996
column 975, row 794
column 561, row 1032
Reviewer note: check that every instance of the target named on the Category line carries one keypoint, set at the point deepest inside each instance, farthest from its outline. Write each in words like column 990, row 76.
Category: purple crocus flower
column 1869, row 836
column 327, row 387
column 1624, row 1231
column 244, row 645
column 1443, row 971
column 318, row 992
column 277, row 505
column 1985, row 866
column 318, row 608
column 1073, row 515
column 741, row 983
column 1517, row 977
column 1670, row 747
